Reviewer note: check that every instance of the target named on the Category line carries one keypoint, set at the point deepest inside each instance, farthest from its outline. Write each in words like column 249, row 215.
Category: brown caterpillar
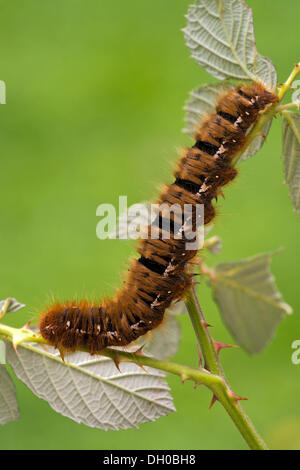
column 160, row 275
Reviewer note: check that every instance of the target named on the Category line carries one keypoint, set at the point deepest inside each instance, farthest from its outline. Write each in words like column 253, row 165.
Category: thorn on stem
column 15, row 346
column 234, row 397
column 200, row 356
column 183, row 378
column 61, row 353
column 143, row 368
column 205, row 324
column 213, row 401
column 219, row 346
column 117, row 362
column 139, row 351
column 27, row 325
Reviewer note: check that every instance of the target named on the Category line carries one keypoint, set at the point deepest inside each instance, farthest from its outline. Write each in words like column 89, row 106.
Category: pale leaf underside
column 90, row 389
column 291, row 156
column 202, row 102
column 163, row 342
column 220, row 35
column 8, row 402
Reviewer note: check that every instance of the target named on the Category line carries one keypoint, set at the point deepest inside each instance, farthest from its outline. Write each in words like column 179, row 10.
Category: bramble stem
column 211, row 362
column 286, row 86
column 221, row 390
column 20, row 337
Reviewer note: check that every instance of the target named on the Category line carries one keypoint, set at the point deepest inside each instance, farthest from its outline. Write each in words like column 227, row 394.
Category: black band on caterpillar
column 160, row 275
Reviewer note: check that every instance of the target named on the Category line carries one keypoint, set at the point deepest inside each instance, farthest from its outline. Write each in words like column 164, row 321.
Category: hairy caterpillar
column 160, row 275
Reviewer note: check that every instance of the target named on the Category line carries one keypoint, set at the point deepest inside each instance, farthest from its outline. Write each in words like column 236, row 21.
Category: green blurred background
column 95, row 91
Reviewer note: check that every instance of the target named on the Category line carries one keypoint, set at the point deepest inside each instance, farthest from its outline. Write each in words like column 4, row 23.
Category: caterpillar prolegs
column 160, row 276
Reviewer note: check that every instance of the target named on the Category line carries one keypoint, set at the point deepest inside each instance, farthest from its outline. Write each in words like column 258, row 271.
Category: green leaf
column 249, row 302
column 220, row 35
column 90, row 389
column 291, row 155
column 8, row 401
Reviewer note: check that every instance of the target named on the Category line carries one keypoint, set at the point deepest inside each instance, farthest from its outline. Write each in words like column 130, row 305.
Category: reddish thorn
column 61, row 353
column 235, row 397
column 15, row 346
column 44, row 347
column 117, row 362
column 140, row 351
column 219, row 346
column 142, row 367
column 213, row 401
column 26, row 326
column 196, row 385
column 205, row 324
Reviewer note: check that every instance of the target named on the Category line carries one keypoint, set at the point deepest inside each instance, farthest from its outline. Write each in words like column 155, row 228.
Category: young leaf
column 202, row 101
column 13, row 305
column 214, row 245
column 90, row 389
column 249, row 302
column 291, row 155
column 132, row 223
column 8, row 401
column 162, row 342
column 221, row 37
column 178, row 308
column 257, row 143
